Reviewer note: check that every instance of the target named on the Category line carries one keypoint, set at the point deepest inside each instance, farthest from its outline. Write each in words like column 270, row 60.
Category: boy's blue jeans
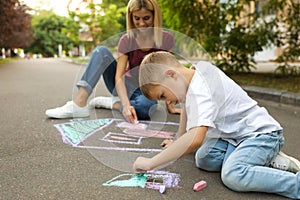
column 246, row 167
column 103, row 63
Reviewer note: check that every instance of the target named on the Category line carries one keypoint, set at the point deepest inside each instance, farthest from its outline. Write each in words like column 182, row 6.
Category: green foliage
column 100, row 22
column 232, row 35
column 7, row 60
column 288, row 36
column 121, row 5
column 50, row 30
column 194, row 19
column 71, row 29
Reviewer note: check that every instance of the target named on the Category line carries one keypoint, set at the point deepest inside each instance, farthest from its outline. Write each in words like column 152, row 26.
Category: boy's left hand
column 142, row 165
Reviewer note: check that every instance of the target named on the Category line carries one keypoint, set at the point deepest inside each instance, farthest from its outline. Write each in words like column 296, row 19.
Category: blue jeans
column 246, row 167
column 103, row 63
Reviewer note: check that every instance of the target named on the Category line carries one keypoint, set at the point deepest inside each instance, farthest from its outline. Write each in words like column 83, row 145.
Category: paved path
column 36, row 164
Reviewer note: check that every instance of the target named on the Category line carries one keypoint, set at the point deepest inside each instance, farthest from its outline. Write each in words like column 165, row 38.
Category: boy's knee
column 201, row 164
column 233, row 177
column 207, row 162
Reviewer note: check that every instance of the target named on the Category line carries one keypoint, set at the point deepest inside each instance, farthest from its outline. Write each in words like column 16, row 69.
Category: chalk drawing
column 135, row 180
column 81, row 134
column 146, row 150
column 76, row 131
column 153, row 179
column 122, row 138
column 150, row 133
column 131, row 125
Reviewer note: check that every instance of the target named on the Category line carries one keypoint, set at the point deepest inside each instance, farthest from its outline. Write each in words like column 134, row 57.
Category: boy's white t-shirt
column 216, row 101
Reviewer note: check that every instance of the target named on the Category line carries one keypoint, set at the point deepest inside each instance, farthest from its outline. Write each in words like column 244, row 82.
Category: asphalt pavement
column 36, row 164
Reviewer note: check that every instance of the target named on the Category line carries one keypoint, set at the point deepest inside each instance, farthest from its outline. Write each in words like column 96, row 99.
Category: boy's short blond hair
column 152, row 70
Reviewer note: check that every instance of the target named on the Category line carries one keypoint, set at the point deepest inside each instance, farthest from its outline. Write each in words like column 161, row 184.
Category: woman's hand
column 142, row 165
column 166, row 143
column 129, row 114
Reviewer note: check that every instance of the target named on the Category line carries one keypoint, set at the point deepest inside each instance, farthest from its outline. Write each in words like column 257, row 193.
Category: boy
column 235, row 128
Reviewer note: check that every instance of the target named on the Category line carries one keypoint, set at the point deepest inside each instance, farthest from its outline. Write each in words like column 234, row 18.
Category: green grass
column 7, row 60
column 273, row 81
column 79, row 60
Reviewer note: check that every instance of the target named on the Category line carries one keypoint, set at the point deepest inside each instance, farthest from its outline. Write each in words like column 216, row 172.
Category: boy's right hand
column 142, row 165
column 166, row 143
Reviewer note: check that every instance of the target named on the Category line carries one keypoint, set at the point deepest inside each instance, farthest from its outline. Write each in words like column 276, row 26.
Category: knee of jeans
column 104, row 52
column 144, row 109
column 207, row 162
column 101, row 49
column 145, row 113
column 233, row 176
column 201, row 162
column 142, row 115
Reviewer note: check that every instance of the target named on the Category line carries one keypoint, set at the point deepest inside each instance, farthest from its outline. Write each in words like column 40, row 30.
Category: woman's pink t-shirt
column 135, row 55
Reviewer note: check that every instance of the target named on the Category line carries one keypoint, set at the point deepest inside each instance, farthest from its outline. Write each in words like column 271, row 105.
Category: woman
column 144, row 35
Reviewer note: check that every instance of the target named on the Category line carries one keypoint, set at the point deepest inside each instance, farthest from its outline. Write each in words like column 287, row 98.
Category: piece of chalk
column 162, row 189
column 199, row 186
column 135, row 121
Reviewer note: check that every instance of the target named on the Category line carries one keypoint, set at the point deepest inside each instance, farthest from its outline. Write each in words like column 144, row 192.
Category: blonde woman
column 144, row 35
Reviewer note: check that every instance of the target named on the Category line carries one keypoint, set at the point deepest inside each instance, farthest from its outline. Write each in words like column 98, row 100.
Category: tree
column 50, row 30
column 121, row 5
column 216, row 26
column 196, row 19
column 15, row 25
column 71, row 29
column 242, row 35
column 100, row 22
column 286, row 33
column 231, row 33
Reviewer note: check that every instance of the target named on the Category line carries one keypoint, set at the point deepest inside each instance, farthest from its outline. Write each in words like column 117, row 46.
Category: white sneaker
column 69, row 110
column 103, row 102
column 285, row 162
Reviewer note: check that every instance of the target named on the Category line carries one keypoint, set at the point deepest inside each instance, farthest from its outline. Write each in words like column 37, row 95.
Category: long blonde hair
column 151, row 5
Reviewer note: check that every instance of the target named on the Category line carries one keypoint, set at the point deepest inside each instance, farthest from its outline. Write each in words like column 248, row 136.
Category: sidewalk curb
column 278, row 96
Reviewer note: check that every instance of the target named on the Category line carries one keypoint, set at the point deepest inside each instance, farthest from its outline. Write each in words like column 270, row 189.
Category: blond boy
column 222, row 123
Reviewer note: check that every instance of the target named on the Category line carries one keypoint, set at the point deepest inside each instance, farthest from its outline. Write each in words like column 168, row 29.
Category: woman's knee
column 101, row 49
column 102, row 52
column 144, row 108
column 146, row 113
